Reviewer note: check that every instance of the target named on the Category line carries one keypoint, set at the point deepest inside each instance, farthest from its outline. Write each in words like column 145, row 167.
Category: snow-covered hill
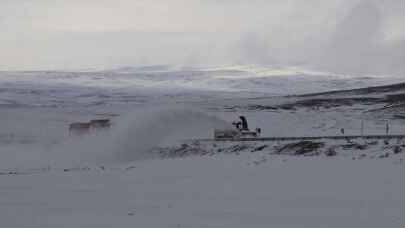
column 137, row 85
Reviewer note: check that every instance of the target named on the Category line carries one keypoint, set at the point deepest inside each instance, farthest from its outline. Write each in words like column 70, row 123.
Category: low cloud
column 356, row 36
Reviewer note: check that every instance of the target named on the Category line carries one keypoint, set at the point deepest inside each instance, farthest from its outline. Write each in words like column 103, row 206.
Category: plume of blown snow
column 131, row 138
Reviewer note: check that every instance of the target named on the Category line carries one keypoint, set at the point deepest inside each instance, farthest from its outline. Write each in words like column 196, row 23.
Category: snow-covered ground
column 210, row 192
column 129, row 176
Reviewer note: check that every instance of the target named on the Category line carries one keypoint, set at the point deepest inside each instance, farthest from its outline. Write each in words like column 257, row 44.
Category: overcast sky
column 359, row 36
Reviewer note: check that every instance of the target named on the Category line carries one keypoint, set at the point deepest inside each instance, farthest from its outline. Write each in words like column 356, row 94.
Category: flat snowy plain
column 113, row 179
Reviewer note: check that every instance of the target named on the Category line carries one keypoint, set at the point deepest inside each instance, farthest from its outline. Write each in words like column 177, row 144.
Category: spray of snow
column 138, row 132
column 131, row 138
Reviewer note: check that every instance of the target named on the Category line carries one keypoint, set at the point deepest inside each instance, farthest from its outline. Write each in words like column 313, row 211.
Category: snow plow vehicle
column 240, row 131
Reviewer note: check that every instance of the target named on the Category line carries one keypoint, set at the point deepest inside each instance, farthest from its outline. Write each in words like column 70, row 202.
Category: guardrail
column 340, row 137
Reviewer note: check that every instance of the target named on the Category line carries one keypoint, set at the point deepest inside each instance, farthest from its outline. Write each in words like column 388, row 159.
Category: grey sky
column 73, row 34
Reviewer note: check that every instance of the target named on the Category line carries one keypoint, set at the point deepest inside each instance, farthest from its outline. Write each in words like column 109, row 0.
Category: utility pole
column 362, row 127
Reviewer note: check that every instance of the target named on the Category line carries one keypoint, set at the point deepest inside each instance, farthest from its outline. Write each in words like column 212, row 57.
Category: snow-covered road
column 223, row 191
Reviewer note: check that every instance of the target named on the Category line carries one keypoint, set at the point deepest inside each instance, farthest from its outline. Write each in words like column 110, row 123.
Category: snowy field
column 144, row 173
